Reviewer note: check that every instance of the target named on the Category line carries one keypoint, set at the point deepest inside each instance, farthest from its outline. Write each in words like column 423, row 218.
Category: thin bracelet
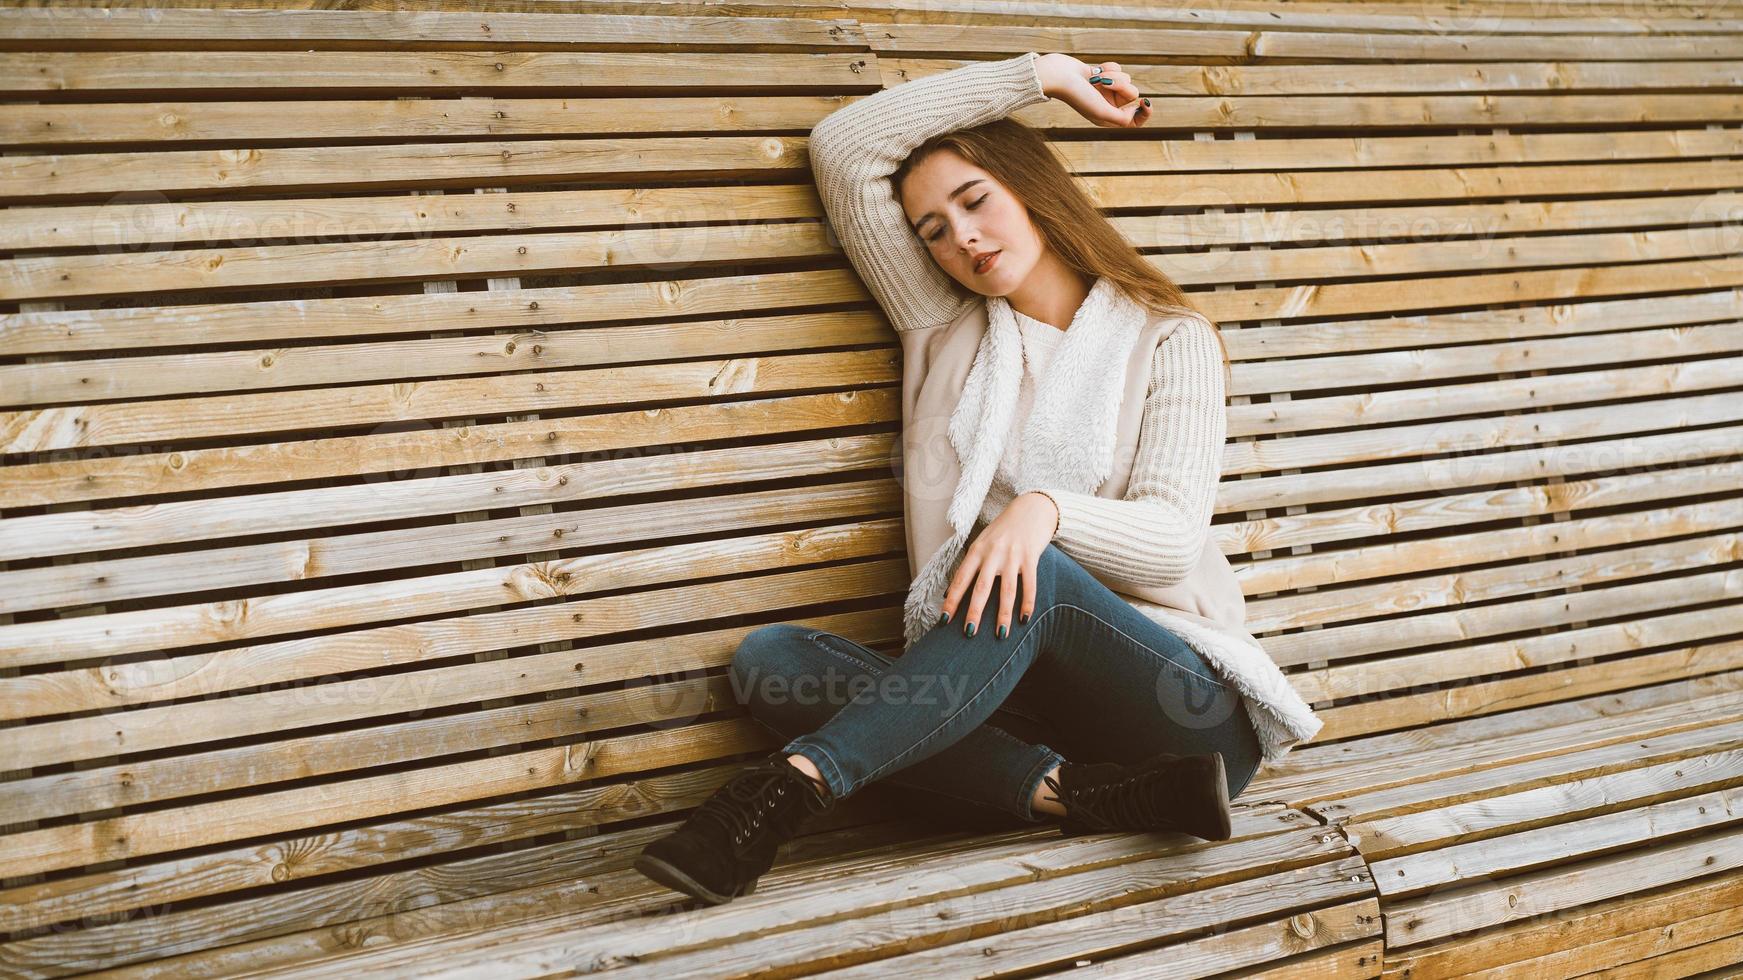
column 1057, row 513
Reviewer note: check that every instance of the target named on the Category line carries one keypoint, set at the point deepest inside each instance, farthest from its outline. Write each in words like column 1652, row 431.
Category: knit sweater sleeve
column 1153, row 536
column 856, row 148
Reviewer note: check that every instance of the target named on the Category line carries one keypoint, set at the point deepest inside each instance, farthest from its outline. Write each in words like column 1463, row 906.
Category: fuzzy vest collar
column 1068, row 439
column 960, row 379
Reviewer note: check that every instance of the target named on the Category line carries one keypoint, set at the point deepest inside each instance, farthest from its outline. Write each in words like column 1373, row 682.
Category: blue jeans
column 971, row 721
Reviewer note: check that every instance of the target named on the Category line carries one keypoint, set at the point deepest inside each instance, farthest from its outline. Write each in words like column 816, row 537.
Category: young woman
column 1062, row 432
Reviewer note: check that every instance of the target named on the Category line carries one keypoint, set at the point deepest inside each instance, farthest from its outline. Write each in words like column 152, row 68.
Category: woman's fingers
column 983, row 586
column 976, row 576
column 1007, row 600
column 959, row 583
column 1126, row 106
column 1029, row 575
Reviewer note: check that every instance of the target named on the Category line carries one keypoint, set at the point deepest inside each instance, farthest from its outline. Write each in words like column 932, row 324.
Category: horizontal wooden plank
column 328, row 118
column 310, row 30
column 1548, row 891
column 1602, row 800
column 1468, row 466
column 434, row 72
column 394, row 260
column 1096, row 872
column 1379, row 555
column 1467, row 436
column 590, row 874
column 1259, row 112
column 1246, row 224
column 452, row 358
column 1485, row 801
column 586, row 882
column 1428, row 239
column 659, row 303
column 340, row 662
column 1222, row 168
column 1416, row 710
column 1379, row 155
column 363, row 219
column 336, row 556
column 1329, row 299
column 1652, row 627
column 385, row 218
column 1612, row 933
column 202, row 771
column 264, row 616
column 1191, row 927
column 269, row 412
column 1461, row 42
column 1370, row 79
column 287, row 72
column 284, row 811
column 1449, row 18
column 493, row 162
column 1351, row 960
column 437, row 358
column 175, row 881
column 1476, row 42
column 1321, row 773
column 44, row 430
column 427, row 492
column 1337, row 948
column 396, row 451
column 1440, row 590
column 1366, row 524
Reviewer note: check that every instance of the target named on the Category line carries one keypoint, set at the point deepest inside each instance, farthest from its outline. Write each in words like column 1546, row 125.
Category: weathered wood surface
column 405, row 410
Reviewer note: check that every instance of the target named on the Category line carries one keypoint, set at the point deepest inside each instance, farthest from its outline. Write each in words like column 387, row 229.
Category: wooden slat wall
column 405, row 412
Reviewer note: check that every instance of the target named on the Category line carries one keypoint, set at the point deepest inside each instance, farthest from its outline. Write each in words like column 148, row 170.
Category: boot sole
column 673, row 877
column 1224, row 829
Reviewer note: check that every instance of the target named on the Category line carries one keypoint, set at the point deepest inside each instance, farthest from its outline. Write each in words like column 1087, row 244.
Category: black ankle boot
column 730, row 840
column 1170, row 792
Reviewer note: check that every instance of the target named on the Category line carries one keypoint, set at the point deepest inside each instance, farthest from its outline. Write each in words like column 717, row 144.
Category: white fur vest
column 960, row 380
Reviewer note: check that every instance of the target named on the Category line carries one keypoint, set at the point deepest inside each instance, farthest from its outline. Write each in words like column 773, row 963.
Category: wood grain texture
column 406, row 409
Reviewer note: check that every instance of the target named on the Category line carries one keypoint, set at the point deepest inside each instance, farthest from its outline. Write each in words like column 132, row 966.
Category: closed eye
column 972, row 205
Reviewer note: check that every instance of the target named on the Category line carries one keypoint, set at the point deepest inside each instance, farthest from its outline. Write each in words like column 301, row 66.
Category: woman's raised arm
column 855, row 149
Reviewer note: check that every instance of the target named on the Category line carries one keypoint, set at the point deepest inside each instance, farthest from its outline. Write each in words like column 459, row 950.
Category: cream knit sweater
column 1040, row 341
column 1152, row 537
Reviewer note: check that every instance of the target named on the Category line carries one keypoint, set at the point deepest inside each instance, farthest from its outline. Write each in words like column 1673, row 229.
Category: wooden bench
column 406, row 413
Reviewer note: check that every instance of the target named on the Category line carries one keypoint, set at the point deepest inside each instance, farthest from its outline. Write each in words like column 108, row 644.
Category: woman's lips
column 982, row 267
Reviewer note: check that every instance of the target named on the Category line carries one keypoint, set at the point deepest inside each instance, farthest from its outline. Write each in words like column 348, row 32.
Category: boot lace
column 743, row 804
column 1122, row 804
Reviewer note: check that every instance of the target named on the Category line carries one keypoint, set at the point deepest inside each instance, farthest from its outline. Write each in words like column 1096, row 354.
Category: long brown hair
column 1067, row 220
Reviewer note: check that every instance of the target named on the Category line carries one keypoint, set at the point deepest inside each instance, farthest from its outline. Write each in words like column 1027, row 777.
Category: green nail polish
column 943, row 618
column 1003, row 630
column 969, row 631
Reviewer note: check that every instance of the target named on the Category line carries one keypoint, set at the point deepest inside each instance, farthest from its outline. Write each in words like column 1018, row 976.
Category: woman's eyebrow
column 965, row 185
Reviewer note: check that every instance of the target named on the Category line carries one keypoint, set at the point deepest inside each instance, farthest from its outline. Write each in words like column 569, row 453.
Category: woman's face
column 960, row 212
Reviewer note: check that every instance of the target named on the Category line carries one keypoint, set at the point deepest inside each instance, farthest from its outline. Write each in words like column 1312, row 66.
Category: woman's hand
column 1113, row 102
column 1007, row 549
